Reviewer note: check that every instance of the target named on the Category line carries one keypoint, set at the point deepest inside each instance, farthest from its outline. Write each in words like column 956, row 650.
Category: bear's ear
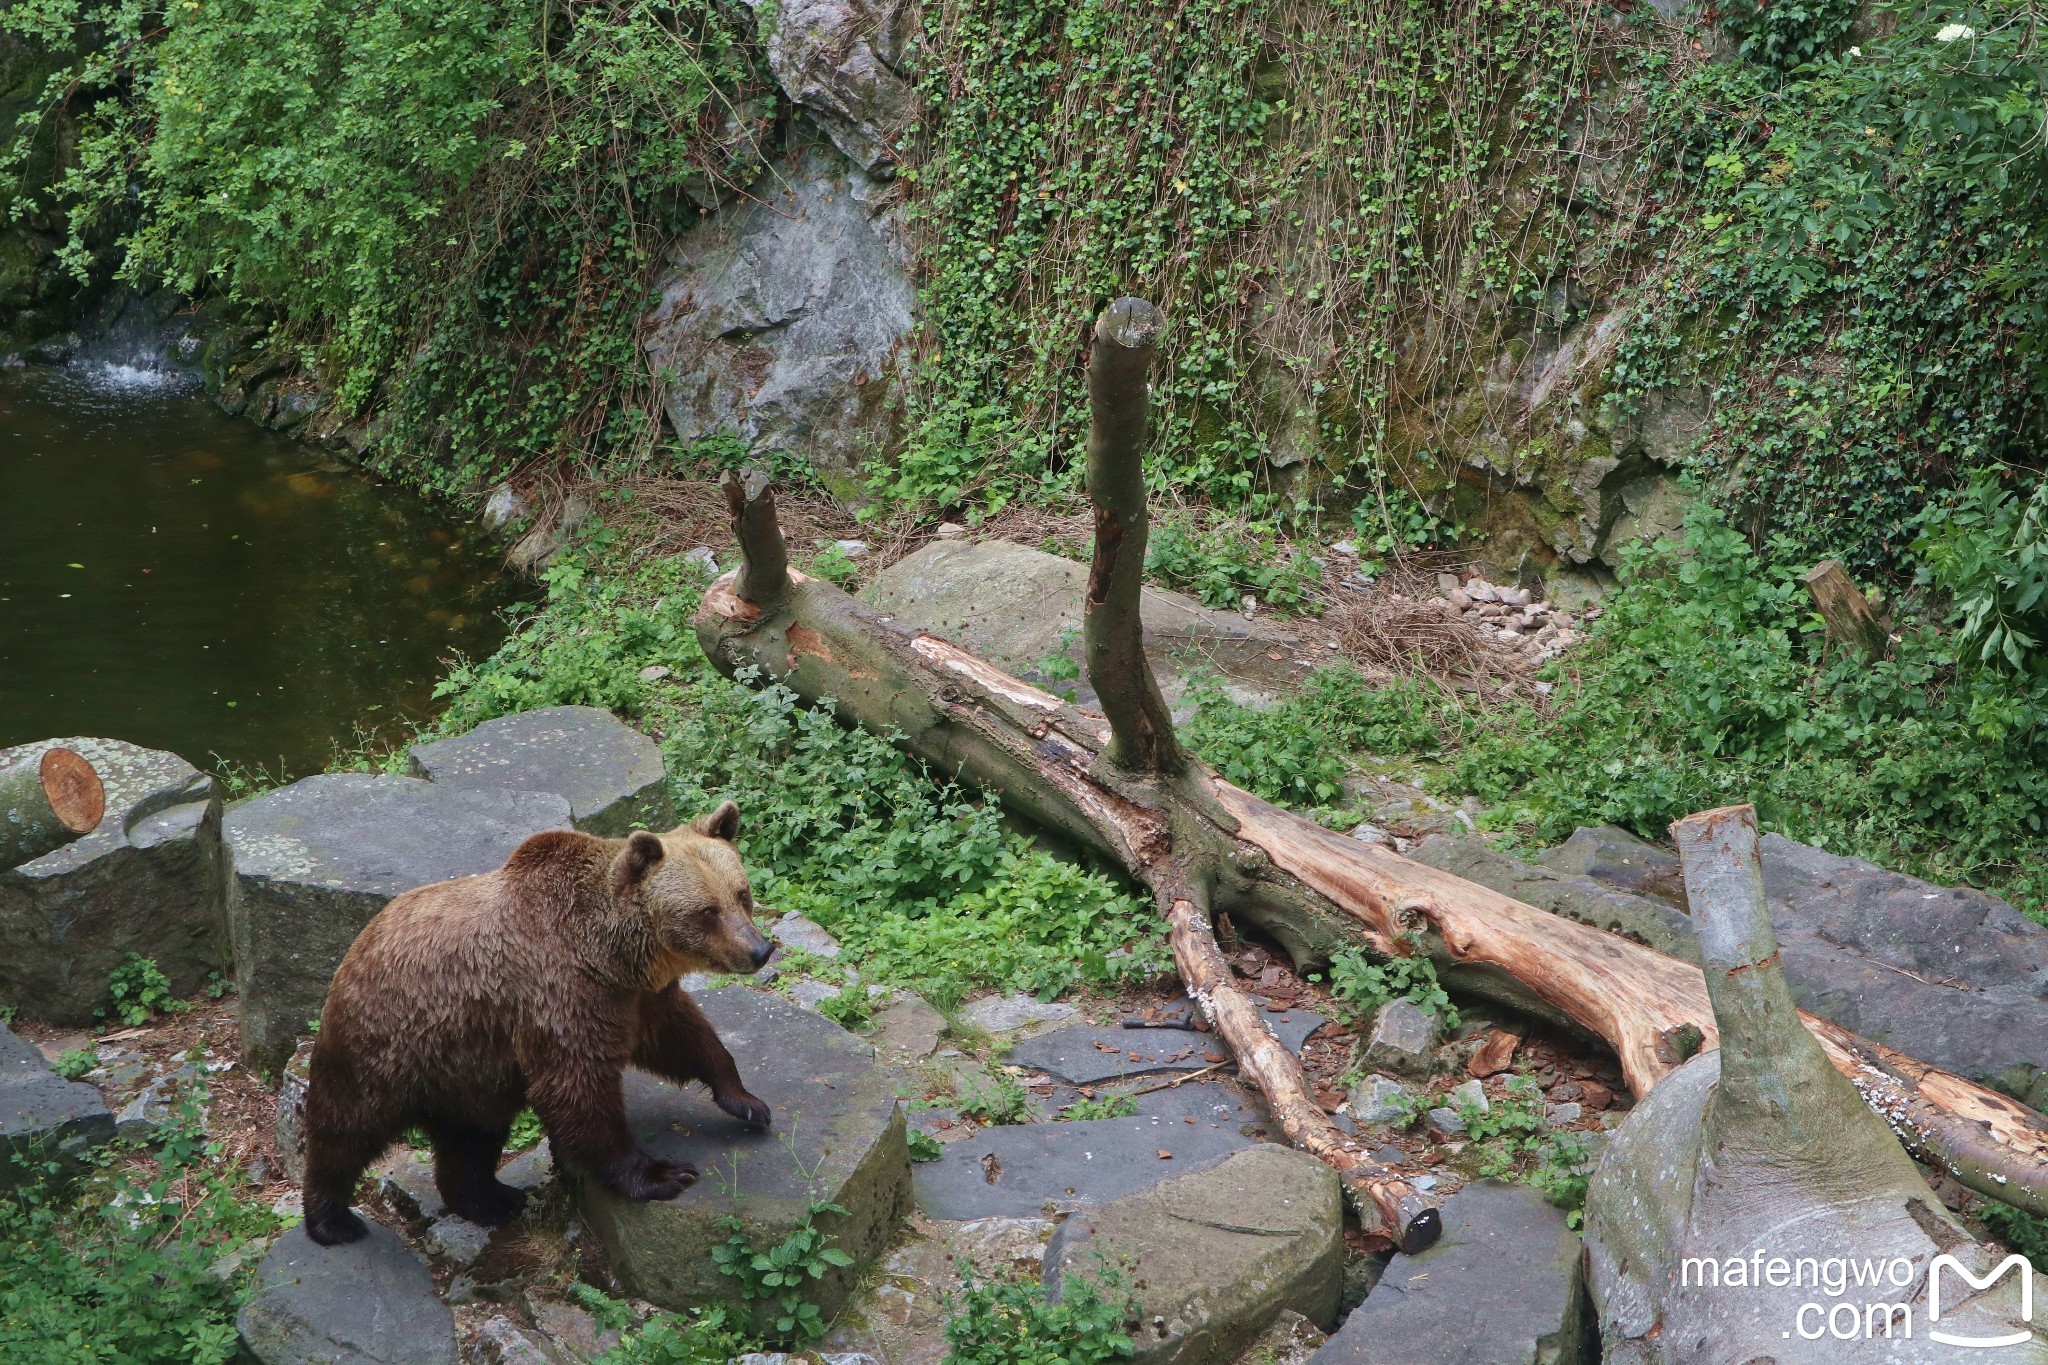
column 643, row 854
column 723, row 823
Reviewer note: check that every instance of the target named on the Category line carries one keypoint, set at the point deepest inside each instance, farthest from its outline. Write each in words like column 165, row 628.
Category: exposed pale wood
column 46, row 802
column 1403, row 1213
column 1850, row 620
column 764, row 560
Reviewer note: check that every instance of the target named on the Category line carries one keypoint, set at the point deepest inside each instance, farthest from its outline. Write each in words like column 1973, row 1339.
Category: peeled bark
column 1200, row 843
column 1759, row 1158
column 47, row 802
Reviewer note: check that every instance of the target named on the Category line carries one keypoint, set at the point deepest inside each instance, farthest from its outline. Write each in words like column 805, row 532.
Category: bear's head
column 695, row 894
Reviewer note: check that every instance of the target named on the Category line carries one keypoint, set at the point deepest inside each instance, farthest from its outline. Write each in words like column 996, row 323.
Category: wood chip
column 1165, row 1155
column 1495, row 1055
column 1212, row 1057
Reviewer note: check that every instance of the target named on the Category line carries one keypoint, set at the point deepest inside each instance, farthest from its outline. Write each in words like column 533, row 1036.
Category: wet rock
column 804, row 935
column 1403, row 1041
column 838, row 1135
column 291, row 1111
column 780, row 319
column 1218, row 1254
column 1020, row 1171
column 841, row 61
column 907, row 1031
column 41, row 1113
column 1008, row 1014
column 152, row 879
column 1502, row 1285
column 1015, row 607
column 530, row 1169
column 457, row 1239
column 1091, row 1056
column 368, row 1303
column 608, row 772
column 314, row 862
column 1379, row 1099
column 1618, row 859
column 500, row 1342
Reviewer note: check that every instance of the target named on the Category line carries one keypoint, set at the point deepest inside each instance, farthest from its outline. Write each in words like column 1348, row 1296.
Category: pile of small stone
column 1512, row 616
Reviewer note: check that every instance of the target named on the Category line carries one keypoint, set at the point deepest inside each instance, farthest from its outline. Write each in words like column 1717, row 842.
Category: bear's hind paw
column 492, row 1206
column 335, row 1226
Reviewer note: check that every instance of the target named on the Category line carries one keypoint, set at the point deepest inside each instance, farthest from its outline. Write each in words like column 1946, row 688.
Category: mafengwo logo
column 1854, row 1304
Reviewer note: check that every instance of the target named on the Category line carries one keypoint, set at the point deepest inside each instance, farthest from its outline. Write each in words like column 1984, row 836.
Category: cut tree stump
column 1851, row 622
column 46, row 803
column 1117, row 783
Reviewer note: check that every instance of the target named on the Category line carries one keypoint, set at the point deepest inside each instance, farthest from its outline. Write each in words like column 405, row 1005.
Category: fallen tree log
column 47, row 802
column 1118, row 783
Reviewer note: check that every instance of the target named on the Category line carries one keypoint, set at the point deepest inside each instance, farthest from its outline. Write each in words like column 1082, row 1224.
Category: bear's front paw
column 490, row 1206
column 743, row 1107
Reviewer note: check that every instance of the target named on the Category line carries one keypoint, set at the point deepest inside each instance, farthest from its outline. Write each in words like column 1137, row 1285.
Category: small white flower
column 1955, row 32
column 1855, row 52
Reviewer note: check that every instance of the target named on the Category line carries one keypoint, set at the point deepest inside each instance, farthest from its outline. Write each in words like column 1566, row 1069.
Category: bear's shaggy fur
column 536, row 984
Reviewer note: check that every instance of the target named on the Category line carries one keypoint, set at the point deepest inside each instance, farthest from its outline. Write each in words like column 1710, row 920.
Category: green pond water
column 185, row 580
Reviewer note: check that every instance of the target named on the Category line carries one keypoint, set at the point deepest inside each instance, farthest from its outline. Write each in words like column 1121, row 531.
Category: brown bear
column 538, row 983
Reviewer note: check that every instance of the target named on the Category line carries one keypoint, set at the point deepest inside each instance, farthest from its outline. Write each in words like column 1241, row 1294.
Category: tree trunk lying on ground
column 1733, row 1206
column 45, row 803
column 1119, row 784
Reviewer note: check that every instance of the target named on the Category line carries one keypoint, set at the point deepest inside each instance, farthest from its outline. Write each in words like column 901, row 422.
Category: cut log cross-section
column 1200, row 844
column 47, row 802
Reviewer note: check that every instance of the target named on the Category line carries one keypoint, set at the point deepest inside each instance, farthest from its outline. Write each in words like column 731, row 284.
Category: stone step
column 314, row 862
column 610, row 774
column 42, row 1114
column 151, row 879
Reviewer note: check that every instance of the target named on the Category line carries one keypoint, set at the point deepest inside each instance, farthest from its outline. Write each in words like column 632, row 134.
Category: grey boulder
column 1216, row 1255
column 42, row 1115
column 608, row 772
column 780, row 319
column 1403, row 1040
column 317, row 860
column 1019, row 1171
column 368, row 1303
column 838, row 1135
column 152, row 879
column 1502, row 1286
column 841, row 61
column 1016, row 607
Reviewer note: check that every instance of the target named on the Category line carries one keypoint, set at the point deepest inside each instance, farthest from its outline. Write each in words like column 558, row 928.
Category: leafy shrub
column 1364, row 985
column 1009, row 1322
column 998, row 1100
column 1101, row 1107
column 1220, row 566
column 925, row 1147
column 778, row 1275
column 1988, row 550
column 1786, row 33
column 76, row 1063
column 1293, row 752
column 119, row 1265
column 140, row 990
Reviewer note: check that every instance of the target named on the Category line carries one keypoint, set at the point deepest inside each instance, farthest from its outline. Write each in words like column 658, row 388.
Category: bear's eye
column 746, row 900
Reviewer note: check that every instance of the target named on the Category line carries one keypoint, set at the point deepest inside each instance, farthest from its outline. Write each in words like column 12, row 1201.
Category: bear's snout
column 761, row 952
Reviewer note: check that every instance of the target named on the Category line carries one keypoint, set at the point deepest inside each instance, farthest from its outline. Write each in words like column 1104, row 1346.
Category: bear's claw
column 333, row 1227
column 744, row 1107
column 647, row 1177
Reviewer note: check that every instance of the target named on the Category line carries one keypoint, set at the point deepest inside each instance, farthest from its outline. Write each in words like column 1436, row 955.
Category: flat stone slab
column 368, row 1303
column 838, row 1135
column 315, row 861
column 1216, row 1255
column 41, row 1113
column 1021, row 1171
column 1091, row 1056
column 1015, row 606
column 608, row 772
column 1502, row 1286
column 1007, row 1014
column 151, row 879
